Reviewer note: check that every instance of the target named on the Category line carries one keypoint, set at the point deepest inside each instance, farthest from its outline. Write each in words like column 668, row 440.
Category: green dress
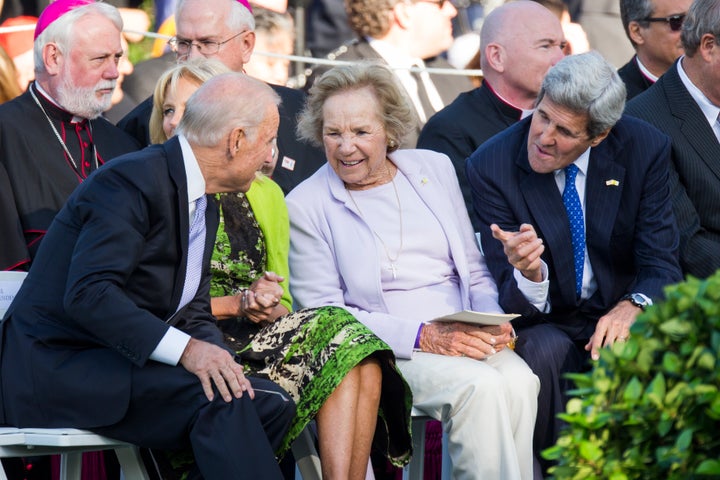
column 307, row 352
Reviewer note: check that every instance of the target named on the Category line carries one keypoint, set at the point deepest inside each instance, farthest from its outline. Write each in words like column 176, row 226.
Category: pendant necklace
column 392, row 259
column 59, row 138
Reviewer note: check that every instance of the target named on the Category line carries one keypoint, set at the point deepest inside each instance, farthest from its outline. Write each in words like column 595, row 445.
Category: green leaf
column 633, row 391
column 676, row 328
column 672, row 363
column 684, row 440
column 706, row 361
column 590, row 451
column 708, row 467
column 656, row 390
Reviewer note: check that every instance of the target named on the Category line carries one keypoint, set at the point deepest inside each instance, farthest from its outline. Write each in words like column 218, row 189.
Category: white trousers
column 487, row 408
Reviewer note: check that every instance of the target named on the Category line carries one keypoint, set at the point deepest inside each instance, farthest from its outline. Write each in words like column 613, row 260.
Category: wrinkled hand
column 464, row 340
column 212, row 364
column 523, row 250
column 613, row 327
column 259, row 301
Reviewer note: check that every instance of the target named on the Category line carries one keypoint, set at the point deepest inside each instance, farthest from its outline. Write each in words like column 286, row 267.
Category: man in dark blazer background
column 224, row 29
column 653, row 27
column 628, row 250
column 514, row 62
column 112, row 329
column 685, row 104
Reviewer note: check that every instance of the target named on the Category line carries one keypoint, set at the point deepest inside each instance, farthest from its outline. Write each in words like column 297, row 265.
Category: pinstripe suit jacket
column 631, row 236
column 695, row 169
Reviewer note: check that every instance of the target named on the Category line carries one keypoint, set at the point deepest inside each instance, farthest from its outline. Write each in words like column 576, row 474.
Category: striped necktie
column 196, row 251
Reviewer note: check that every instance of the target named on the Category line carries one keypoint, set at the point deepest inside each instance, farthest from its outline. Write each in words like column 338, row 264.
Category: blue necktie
column 571, row 199
column 196, row 250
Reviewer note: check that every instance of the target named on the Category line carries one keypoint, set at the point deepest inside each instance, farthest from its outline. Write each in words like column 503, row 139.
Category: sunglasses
column 675, row 21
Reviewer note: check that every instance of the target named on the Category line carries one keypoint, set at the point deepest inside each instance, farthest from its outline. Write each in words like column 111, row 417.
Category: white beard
column 83, row 101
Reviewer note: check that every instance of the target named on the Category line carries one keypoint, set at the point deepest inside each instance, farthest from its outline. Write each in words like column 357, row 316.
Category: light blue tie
column 571, row 199
column 196, row 249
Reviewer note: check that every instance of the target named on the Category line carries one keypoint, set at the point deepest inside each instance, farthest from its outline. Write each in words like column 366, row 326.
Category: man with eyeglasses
column 224, row 29
column 685, row 104
column 653, row 27
column 408, row 35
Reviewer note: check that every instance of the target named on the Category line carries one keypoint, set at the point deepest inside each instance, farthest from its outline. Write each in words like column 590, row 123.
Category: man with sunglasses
column 685, row 104
column 653, row 27
column 224, row 29
column 408, row 35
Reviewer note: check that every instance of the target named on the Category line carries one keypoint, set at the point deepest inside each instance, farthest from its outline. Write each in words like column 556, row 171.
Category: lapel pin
column 612, row 183
column 424, row 180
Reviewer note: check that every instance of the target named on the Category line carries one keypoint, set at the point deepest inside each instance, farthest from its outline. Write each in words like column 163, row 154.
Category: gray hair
column 223, row 103
column 635, row 11
column 239, row 18
column 397, row 113
column 702, row 18
column 587, row 83
column 61, row 31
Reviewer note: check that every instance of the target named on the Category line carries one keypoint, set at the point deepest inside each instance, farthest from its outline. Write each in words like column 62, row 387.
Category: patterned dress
column 307, row 352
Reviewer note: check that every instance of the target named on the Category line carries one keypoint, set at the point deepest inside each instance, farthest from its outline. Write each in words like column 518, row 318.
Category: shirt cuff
column 417, row 337
column 535, row 292
column 171, row 347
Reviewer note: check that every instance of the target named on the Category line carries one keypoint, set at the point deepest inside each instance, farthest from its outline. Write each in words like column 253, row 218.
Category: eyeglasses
column 675, row 21
column 204, row 47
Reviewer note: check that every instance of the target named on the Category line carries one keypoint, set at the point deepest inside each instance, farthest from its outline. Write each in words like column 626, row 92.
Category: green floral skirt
column 308, row 353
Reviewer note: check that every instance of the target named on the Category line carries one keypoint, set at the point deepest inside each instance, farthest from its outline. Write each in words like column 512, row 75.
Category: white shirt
column 401, row 64
column 173, row 343
column 710, row 111
column 537, row 292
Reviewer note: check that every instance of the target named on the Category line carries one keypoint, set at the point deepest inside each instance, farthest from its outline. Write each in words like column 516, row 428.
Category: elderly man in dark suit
column 577, row 224
column 685, row 104
column 514, row 62
column 653, row 27
column 112, row 330
column 224, row 29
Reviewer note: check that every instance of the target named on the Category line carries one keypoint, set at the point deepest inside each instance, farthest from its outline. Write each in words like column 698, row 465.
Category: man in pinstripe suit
column 685, row 104
column 628, row 248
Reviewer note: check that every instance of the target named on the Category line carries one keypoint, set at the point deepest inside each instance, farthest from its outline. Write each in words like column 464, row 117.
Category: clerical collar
column 646, row 73
column 524, row 112
column 46, row 96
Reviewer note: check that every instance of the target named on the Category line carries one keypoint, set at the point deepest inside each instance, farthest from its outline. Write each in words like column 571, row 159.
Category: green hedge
column 650, row 407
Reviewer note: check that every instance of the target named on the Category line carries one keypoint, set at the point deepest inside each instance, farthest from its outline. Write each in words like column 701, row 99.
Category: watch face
column 638, row 300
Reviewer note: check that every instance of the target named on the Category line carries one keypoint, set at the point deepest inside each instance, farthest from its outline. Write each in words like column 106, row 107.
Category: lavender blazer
column 333, row 253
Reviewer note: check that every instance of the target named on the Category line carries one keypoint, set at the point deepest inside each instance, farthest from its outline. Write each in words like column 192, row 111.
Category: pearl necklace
column 392, row 259
column 59, row 138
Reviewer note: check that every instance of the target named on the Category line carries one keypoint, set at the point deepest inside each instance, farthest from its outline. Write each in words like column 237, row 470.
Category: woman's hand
column 465, row 340
column 259, row 303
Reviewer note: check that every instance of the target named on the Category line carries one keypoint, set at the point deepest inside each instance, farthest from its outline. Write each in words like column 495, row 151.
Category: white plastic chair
column 69, row 443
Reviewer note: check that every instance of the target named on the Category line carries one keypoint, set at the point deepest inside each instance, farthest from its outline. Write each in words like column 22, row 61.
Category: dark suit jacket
column 101, row 292
column 634, row 80
column 631, row 236
column 448, row 86
column 297, row 160
column 695, row 172
column 460, row 128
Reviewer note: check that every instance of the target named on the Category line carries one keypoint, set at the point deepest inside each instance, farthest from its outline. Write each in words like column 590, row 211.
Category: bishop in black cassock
column 37, row 173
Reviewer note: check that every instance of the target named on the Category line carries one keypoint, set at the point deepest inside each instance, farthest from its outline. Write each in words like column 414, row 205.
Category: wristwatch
column 638, row 299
